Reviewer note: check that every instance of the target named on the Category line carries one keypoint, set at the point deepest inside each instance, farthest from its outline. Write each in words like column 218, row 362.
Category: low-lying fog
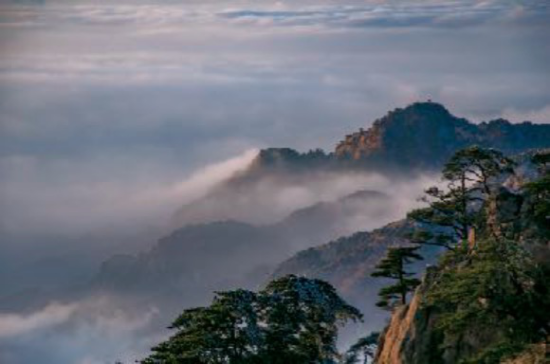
column 51, row 309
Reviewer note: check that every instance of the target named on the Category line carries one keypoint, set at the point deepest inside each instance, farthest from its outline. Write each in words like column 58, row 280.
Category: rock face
column 400, row 330
column 536, row 354
column 411, row 336
column 409, row 137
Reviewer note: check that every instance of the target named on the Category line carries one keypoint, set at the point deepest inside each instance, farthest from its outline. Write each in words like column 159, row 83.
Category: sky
column 115, row 113
column 102, row 102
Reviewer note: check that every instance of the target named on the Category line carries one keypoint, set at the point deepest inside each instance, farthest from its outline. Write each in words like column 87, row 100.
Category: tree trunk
column 402, row 283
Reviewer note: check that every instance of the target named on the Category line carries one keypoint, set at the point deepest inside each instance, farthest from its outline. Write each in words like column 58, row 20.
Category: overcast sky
column 102, row 102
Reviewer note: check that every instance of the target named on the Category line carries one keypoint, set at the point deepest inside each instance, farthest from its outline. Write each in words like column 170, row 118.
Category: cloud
column 383, row 14
column 122, row 200
column 21, row 324
column 269, row 198
column 541, row 115
column 391, row 15
column 66, row 333
column 103, row 329
column 92, row 330
column 202, row 181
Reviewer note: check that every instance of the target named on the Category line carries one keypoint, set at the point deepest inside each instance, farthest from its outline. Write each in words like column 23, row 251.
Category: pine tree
column 452, row 211
column 302, row 317
column 538, row 192
column 393, row 267
column 227, row 331
column 293, row 320
column 498, row 296
column 365, row 347
column 501, row 290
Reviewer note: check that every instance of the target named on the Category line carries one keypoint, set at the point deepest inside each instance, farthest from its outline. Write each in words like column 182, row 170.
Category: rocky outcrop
column 411, row 338
column 425, row 134
column 397, row 332
column 408, row 324
column 417, row 333
column 535, row 354
column 288, row 159
column 420, row 136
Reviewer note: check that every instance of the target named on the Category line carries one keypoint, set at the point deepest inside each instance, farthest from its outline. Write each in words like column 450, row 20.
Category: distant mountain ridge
column 202, row 258
column 421, row 136
column 347, row 263
column 415, row 140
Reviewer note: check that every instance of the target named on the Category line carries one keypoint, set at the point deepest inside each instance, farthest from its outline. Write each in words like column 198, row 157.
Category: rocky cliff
column 412, row 337
column 491, row 304
column 409, row 325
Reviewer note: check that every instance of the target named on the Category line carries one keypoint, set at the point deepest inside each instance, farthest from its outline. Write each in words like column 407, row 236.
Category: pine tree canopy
column 452, row 211
column 293, row 320
column 393, row 267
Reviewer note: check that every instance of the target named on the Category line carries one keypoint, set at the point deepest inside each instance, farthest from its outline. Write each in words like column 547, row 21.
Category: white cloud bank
column 93, row 330
column 203, row 180
column 541, row 115
column 21, row 324
column 70, row 197
column 381, row 14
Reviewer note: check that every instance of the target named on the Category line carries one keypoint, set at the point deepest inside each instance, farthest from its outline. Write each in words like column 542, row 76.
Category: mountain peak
column 276, row 156
column 424, row 135
column 418, row 137
column 406, row 136
column 427, row 106
column 418, row 114
column 287, row 158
